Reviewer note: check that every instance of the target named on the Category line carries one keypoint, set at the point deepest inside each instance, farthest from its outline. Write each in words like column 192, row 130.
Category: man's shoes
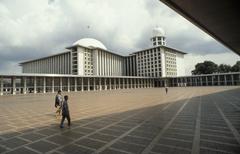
column 61, row 126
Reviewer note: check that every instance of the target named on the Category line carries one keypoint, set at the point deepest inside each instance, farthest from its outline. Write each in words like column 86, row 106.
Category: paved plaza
column 187, row 120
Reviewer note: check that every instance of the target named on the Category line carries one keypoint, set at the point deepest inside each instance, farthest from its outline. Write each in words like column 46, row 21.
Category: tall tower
column 158, row 37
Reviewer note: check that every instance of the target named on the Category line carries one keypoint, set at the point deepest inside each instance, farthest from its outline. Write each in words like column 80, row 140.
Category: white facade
column 163, row 66
column 56, row 64
column 180, row 65
column 80, row 61
column 159, row 61
column 106, row 63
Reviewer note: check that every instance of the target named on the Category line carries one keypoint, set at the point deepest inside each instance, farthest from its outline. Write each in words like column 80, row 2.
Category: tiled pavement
column 187, row 120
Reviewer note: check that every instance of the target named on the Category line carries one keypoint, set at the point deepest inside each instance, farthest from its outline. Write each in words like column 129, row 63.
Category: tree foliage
column 236, row 67
column 209, row 67
column 223, row 68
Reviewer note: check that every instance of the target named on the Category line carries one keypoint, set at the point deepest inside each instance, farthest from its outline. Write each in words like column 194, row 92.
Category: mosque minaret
column 158, row 37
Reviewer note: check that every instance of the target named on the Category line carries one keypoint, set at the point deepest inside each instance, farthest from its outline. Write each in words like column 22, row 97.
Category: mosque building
column 87, row 65
column 90, row 57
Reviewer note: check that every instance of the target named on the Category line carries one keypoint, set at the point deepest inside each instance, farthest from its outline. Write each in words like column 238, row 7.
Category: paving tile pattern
column 201, row 120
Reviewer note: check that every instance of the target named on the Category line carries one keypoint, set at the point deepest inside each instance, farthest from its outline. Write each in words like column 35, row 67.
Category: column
column 238, row 79
column 100, row 84
column 127, row 83
column 94, row 84
column 110, row 84
column 68, row 84
column 88, row 84
column 24, row 85
column 145, row 84
column 131, row 83
column 82, row 85
column 115, row 84
column 13, row 85
column 75, row 84
column 135, row 83
column 212, row 80
column 219, row 80
column 44, row 84
column 1, row 86
column 232, row 79
column 206, row 81
column 60, row 83
column 52, row 85
column 201, row 81
column 138, row 80
column 123, row 80
column 105, row 84
column 35, row 85
column 225, row 80
column 119, row 83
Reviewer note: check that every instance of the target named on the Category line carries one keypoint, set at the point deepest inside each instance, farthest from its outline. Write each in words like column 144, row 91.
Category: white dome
column 90, row 42
column 158, row 31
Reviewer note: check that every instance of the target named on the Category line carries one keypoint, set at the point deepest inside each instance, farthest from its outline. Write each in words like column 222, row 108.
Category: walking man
column 166, row 89
column 65, row 112
column 58, row 102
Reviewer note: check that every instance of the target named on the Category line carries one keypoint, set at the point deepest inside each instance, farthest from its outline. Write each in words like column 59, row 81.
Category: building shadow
column 209, row 123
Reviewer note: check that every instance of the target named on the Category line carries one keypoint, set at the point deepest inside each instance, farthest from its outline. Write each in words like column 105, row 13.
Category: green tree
column 223, row 68
column 236, row 67
column 207, row 67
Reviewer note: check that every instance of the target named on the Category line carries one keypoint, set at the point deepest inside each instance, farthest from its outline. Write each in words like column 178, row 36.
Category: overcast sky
column 35, row 28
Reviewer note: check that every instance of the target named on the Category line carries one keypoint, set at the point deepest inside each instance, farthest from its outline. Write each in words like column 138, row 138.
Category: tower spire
column 158, row 37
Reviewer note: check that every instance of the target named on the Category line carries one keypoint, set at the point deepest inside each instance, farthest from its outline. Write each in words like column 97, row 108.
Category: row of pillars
column 199, row 81
column 130, row 83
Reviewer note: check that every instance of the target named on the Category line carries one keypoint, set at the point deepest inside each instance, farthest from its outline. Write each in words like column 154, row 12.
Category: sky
column 31, row 29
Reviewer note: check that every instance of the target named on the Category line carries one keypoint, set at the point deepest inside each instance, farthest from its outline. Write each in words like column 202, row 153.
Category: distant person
column 65, row 112
column 58, row 102
column 166, row 90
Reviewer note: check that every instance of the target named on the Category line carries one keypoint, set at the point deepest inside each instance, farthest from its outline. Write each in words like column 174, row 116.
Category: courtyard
column 148, row 121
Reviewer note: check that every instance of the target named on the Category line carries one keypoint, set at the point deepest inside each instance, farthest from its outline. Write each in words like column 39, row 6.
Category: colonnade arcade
column 221, row 79
column 23, row 84
column 43, row 84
